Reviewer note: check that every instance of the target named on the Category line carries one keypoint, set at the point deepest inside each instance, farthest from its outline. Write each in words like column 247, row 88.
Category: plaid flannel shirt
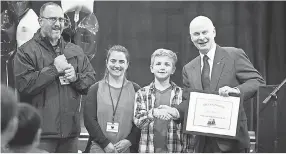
column 143, row 118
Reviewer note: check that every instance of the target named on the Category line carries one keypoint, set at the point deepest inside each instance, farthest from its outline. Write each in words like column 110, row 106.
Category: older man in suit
column 224, row 70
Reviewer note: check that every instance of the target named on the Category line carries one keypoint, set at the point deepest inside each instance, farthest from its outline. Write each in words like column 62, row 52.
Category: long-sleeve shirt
column 143, row 118
column 98, row 111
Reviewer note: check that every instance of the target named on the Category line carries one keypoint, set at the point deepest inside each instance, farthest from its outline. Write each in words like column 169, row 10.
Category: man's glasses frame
column 55, row 19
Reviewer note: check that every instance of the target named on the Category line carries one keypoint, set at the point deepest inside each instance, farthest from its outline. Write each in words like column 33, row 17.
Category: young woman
column 108, row 111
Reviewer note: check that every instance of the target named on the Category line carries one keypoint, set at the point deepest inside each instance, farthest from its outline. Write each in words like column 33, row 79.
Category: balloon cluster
column 7, row 39
column 11, row 14
column 81, row 27
column 8, row 30
column 16, row 29
column 19, row 8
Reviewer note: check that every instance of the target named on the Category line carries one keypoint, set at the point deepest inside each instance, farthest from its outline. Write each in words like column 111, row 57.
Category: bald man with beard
column 219, row 69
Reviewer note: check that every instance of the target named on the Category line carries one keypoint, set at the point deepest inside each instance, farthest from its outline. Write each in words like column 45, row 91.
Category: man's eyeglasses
column 54, row 19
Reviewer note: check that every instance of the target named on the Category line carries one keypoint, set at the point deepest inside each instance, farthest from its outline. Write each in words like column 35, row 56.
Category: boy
column 159, row 132
column 28, row 135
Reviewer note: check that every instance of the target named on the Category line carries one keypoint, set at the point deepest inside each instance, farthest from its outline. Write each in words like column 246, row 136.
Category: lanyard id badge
column 112, row 127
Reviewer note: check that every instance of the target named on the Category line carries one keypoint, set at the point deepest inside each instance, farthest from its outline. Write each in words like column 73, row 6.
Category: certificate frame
column 212, row 115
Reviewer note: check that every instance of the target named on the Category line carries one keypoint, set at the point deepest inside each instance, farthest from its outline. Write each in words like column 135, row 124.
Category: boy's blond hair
column 164, row 52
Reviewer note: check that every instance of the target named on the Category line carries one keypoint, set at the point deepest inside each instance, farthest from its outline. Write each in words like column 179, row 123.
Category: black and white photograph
column 88, row 76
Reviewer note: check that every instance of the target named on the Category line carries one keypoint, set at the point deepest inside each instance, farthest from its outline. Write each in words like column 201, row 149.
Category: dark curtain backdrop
column 144, row 26
column 256, row 27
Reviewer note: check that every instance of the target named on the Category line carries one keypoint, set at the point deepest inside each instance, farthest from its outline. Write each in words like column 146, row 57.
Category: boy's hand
column 161, row 114
column 170, row 110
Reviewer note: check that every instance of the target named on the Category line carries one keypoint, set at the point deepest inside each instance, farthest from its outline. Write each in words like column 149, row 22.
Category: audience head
column 28, row 134
column 9, row 120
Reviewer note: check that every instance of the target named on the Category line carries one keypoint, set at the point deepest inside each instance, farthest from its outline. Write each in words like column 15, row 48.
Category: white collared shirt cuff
column 237, row 90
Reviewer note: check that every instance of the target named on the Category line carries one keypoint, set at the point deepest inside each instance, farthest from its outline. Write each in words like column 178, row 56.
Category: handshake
column 165, row 112
column 63, row 66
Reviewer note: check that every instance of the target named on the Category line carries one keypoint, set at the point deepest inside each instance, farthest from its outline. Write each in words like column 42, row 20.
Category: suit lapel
column 218, row 65
column 196, row 74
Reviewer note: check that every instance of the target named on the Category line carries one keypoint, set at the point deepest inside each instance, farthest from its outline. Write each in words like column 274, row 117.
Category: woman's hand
column 110, row 148
column 122, row 145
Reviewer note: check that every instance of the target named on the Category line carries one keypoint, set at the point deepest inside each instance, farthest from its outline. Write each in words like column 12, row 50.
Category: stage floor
column 84, row 138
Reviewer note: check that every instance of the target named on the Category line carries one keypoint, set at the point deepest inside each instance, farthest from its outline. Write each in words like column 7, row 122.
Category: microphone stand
column 274, row 97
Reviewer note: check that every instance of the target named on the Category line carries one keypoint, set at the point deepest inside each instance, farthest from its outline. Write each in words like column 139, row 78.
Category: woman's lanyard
column 114, row 109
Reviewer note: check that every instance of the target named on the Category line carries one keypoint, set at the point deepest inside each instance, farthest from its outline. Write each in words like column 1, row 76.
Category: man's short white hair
column 201, row 19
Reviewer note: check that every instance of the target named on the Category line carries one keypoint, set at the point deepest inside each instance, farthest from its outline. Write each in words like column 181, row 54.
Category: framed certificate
column 212, row 115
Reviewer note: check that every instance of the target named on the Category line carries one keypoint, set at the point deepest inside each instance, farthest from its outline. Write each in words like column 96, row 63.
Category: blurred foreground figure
column 28, row 135
column 9, row 120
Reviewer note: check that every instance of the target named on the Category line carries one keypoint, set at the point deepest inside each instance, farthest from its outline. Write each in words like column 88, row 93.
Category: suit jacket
column 231, row 67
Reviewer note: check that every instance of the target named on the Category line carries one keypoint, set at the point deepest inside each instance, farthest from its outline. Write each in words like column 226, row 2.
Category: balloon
column 18, row 7
column 9, row 21
column 8, row 30
column 26, row 30
column 77, row 6
column 86, row 35
column 90, row 23
column 83, row 33
column 68, row 21
column 68, row 32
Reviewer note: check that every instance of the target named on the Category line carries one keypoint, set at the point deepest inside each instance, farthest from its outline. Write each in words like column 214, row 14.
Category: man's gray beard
column 55, row 38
